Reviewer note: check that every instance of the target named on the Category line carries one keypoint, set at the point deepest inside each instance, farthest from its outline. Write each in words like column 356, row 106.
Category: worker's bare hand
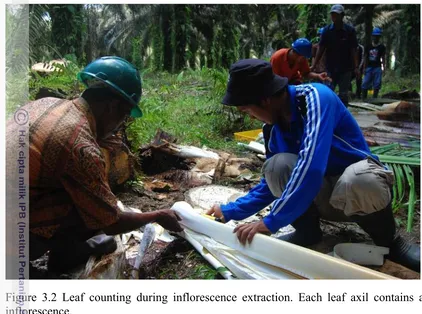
column 323, row 77
column 215, row 211
column 169, row 220
column 246, row 232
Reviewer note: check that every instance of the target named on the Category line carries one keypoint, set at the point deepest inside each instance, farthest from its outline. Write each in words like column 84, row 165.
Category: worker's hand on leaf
column 246, row 232
column 215, row 211
column 169, row 220
column 323, row 77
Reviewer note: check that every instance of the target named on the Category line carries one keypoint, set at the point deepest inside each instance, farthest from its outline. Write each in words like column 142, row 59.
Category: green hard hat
column 119, row 75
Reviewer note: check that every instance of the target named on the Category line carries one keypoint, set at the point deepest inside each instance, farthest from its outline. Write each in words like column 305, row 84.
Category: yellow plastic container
column 247, row 136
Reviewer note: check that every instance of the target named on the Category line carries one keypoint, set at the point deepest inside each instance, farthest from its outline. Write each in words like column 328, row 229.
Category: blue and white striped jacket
column 327, row 139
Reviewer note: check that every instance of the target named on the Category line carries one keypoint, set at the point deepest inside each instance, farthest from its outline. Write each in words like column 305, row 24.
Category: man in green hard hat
column 73, row 212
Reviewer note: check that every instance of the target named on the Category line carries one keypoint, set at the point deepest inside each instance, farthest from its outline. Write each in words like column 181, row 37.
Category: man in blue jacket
column 318, row 164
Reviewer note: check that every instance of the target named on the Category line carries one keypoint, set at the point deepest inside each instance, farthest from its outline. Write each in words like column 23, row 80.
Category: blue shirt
column 326, row 138
column 339, row 47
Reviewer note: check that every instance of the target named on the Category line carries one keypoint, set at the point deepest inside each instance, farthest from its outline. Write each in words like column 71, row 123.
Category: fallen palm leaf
column 385, row 148
column 394, row 200
column 412, row 197
column 400, row 160
column 400, row 179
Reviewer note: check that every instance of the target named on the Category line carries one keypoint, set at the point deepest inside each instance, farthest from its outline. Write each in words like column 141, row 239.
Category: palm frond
column 386, row 17
column 412, row 197
column 386, row 7
column 17, row 48
column 39, row 33
column 17, row 52
column 118, row 10
column 400, row 160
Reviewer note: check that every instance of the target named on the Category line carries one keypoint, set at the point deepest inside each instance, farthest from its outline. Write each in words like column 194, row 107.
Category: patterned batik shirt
column 66, row 168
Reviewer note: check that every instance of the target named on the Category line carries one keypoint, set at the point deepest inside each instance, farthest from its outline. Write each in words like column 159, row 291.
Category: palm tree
column 312, row 17
column 400, row 24
column 17, row 56
column 66, row 28
column 41, row 47
column 171, row 37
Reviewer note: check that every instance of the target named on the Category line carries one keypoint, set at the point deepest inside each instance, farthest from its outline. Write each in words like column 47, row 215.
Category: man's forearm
column 356, row 58
column 312, row 76
column 258, row 198
column 362, row 61
column 129, row 221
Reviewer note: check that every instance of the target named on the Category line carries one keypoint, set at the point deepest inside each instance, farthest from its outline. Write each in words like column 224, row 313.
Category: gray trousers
column 362, row 189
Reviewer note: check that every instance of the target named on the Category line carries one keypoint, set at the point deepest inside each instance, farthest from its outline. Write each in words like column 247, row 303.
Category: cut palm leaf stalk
column 400, row 180
column 394, row 200
column 399, row 160
column 412, row 197
column 147, row 239
column 407, row 204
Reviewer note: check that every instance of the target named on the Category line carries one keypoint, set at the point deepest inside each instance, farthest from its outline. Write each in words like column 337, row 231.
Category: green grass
column 393, row 83
column 188, row 106
column 204, row 272
column 64, row 81
column 193, row 267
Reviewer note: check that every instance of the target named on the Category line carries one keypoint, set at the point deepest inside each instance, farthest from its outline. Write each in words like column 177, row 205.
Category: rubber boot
column 406, row 254
column 308, row 230
column 381, row 227
column 68, row 256
column 376, row 91
column 345, row 100
column 364, row 94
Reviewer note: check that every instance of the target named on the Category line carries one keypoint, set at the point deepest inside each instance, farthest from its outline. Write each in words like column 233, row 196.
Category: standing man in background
column 374, row 56
column 339, row 42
